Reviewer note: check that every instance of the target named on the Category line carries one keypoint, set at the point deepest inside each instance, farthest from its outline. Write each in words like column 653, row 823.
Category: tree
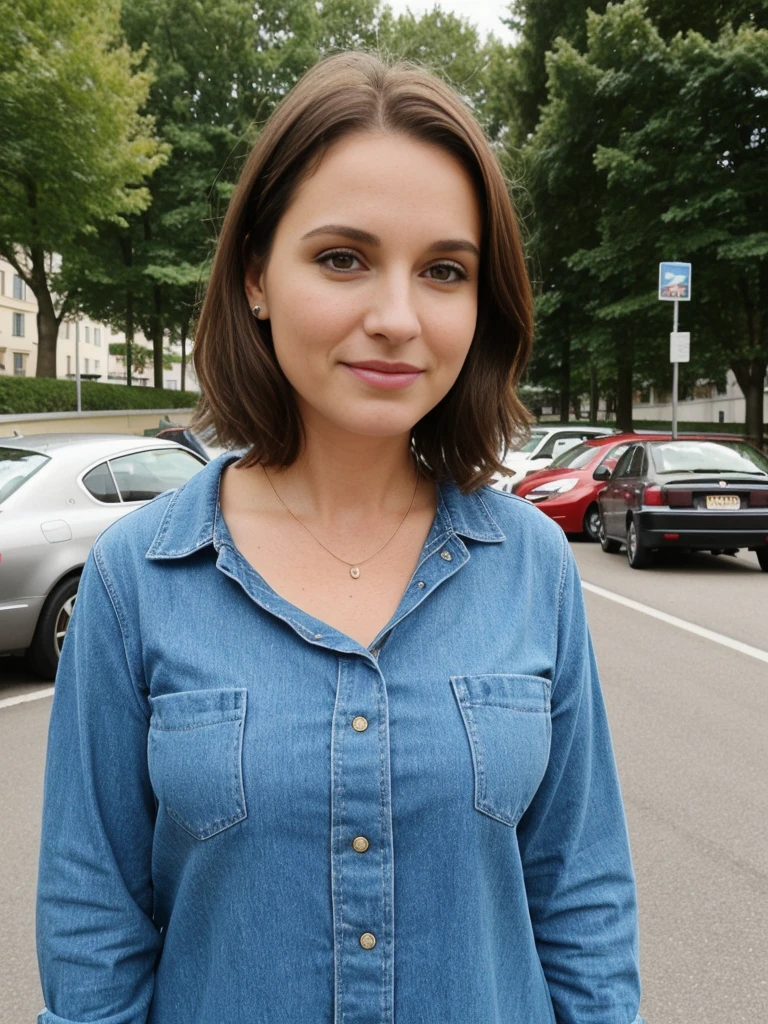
column 685, row 178
column 75, row 150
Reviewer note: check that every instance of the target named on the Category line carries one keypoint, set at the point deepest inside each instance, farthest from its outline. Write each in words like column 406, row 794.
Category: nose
column 392, row 313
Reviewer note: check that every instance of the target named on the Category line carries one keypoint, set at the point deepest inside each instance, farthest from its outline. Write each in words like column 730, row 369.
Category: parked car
column 57, row 493
column 567, row 489
column 693, row 493
column 204, row 444
column 543, row 445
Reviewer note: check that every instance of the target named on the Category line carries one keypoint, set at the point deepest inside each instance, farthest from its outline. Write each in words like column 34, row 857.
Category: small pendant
column 354, row 572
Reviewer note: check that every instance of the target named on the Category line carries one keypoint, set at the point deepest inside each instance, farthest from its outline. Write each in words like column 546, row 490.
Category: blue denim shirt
column 250, row 818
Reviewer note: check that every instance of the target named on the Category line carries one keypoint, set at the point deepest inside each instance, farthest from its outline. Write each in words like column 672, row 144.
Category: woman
column 328, row 742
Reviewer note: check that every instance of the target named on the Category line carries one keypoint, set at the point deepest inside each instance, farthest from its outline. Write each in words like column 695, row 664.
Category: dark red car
column 696, row 494
column 567, row 489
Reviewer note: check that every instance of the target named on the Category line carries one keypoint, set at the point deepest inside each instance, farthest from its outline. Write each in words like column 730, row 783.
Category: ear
column 254, row 290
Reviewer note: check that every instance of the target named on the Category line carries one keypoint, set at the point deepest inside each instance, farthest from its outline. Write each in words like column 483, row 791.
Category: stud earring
column 256, row 310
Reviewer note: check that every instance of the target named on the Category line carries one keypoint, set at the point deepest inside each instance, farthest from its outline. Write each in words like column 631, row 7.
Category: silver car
column 57, row 493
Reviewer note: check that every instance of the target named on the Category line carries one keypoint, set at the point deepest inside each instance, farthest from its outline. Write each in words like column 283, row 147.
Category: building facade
column 79, row 337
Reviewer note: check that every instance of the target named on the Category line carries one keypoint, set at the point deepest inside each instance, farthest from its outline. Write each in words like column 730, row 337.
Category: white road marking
column 672, row 620
column 36, row 695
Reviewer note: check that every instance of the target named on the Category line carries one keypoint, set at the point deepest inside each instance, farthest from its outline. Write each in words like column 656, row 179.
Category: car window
column 685, row 456
column 613, row 455
column 143, row 475
column 99, row 483
column 574, row 458
column 625, row 463
column 17, row 465
column 533, row 441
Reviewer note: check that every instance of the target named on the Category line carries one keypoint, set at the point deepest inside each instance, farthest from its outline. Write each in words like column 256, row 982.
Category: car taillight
column 758, row 499
column 653, row 495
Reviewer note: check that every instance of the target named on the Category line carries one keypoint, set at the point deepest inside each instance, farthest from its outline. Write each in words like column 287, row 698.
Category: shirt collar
column 192, row 517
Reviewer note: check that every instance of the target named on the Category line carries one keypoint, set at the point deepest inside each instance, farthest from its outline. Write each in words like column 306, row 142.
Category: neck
column 351, row 477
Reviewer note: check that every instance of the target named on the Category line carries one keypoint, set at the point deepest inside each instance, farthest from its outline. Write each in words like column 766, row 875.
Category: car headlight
column 548, row 490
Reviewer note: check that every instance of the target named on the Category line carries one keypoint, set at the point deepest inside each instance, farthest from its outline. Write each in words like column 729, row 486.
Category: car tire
column 611, row 547
column 44, row 651
column 638, row 555
column 591, row 524
column 762, row 557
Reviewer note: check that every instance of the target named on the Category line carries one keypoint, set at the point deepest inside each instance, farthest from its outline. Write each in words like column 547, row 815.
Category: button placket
column 361, row 875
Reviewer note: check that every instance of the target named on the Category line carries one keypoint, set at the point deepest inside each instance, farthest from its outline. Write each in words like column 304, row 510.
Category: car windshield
column 533, row 442
column 715, row 457
column 574, row 458
column 17, row 465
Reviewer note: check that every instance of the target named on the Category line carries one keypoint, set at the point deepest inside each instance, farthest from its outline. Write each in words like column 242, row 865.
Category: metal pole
column 77, row 364
column 674, row 383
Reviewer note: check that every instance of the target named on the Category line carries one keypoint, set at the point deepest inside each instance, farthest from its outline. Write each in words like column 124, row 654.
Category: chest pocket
column 507, row 718
column 195, row 758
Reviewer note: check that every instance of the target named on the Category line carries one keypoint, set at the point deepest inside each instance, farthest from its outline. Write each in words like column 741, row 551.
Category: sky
column 484, row 13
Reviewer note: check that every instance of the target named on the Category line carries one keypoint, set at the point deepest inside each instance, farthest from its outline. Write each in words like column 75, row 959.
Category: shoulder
column 520, row 520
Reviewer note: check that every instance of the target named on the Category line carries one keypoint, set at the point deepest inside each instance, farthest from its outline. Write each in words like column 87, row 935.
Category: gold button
column 367, row 941
column 359, row 724
column 360, row 843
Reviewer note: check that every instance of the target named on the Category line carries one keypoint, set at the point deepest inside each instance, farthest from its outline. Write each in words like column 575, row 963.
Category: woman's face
column 371, row 284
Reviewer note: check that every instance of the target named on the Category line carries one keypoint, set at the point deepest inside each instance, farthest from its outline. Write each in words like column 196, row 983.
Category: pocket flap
column 190, row 709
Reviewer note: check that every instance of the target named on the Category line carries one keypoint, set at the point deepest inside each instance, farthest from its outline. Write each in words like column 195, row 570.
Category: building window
column 87, row 334
column 86, row 363
column 171, row 385
column 18, row 364
column 2, row 282
column 19, row 289
column 18, row 325
column 66, row 331
column 97, row 336
column 97, row 364
column 69, row 366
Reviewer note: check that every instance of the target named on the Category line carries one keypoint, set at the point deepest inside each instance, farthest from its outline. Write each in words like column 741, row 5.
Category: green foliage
column 19, row 395
column 653, row 148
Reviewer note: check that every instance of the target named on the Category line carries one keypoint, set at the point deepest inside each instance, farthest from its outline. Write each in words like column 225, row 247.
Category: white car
column 544, row 444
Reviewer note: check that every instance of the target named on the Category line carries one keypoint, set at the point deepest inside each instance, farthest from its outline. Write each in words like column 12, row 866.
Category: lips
column 382, row 366
column 380, row 374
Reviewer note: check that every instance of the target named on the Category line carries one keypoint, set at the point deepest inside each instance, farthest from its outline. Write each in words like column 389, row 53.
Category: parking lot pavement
column 688, row 717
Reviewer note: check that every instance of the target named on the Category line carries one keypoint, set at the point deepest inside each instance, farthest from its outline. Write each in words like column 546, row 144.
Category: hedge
column 20, row 395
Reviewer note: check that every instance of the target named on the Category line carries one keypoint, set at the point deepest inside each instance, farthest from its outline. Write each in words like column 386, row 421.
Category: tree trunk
column 594, row 394
column 158, row 335
column 750, row 375
column 129, row 338
column 624, row 367
column 565, row 376
column 47, row 321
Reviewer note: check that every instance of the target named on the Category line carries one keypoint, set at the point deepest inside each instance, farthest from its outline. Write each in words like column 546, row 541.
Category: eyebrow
column 356, row 235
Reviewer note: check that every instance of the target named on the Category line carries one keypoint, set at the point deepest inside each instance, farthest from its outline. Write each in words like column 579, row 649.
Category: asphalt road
column 689, row 717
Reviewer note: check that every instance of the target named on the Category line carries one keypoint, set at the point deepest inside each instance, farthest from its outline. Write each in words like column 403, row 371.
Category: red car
column 567, row 489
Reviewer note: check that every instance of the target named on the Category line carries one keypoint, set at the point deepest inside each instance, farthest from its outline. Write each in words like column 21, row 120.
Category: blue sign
column 675, row 282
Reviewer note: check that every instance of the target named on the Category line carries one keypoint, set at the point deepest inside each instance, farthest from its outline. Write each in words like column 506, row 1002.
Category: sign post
column 675, row 286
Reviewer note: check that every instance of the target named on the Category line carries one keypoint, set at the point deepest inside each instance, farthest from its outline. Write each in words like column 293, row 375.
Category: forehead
column 388, row 184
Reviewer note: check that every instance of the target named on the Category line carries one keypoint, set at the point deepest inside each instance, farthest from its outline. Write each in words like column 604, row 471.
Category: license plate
column 723, row 501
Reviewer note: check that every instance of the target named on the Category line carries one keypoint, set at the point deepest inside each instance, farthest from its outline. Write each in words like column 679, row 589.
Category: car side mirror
column 602, row 473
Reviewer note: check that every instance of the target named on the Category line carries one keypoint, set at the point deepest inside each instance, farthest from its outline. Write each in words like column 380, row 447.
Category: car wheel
column 611, row 546
column 762, row 557
column 45, row 649
column 591, row 524
column 638, row 555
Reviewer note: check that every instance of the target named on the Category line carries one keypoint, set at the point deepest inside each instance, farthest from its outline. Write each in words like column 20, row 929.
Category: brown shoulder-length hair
column 246, row 397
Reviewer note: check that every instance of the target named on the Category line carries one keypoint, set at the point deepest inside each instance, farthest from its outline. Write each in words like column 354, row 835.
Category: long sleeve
column 97, row 943
column 573, row 840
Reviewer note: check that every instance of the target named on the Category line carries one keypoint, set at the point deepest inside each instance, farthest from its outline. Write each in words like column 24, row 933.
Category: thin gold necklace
column 354, row 567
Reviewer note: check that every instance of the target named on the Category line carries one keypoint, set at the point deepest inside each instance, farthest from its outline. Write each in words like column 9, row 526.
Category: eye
column 444, row 270
column 339, row 260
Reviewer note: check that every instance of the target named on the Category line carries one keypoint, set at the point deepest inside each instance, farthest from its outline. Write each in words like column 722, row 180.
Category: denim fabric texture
column 214, row 752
